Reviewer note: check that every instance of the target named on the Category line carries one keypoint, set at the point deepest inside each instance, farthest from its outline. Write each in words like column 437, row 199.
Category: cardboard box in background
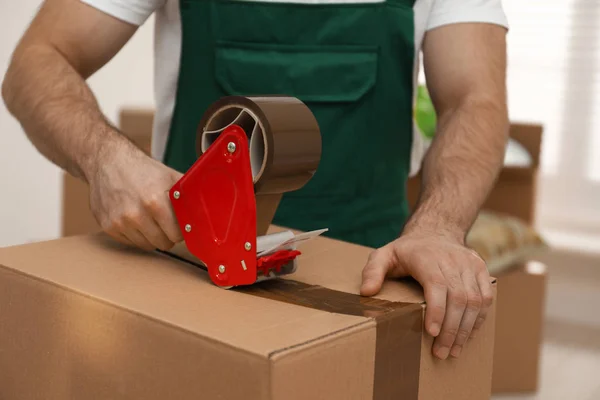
column 105, row 321
column 77, row 219
column 519, row 328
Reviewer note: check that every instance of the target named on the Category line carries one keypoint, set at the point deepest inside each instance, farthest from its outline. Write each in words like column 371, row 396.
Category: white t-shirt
column 428, row 14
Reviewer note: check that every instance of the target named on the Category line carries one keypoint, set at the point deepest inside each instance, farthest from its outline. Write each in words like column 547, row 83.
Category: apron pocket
column 335, row 81
column 313, row 74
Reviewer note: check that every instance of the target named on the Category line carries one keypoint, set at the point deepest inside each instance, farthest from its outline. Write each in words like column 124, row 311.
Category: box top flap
column 175, row 293
column 336, row 265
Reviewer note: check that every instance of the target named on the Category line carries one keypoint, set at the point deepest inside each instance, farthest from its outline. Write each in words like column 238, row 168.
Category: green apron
column 352, row 64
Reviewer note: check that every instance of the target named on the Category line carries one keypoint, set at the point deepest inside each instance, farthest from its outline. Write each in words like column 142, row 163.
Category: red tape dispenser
column 251, row 151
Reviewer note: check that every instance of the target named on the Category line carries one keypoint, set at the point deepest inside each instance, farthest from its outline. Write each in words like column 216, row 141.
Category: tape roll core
column 250, row 123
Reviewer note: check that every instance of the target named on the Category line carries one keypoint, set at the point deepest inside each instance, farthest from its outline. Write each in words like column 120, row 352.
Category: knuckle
column 462, row 335
column 114, row 225
column 132, row 216
column 105, row 224
column 458, row 297
column 438, row 307
column 455, row 283
column 436, row 281
column 488, row 300
column 451, row 333
column 153, row 203
column 474, row 301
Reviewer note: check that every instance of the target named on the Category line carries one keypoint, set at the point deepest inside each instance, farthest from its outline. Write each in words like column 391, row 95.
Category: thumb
column 378, row 266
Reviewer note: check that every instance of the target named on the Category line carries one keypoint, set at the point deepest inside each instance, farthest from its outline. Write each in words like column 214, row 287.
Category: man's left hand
column 455, row 279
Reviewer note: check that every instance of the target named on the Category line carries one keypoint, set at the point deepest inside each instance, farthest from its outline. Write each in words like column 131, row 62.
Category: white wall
column 554, row 79
column 30, row 186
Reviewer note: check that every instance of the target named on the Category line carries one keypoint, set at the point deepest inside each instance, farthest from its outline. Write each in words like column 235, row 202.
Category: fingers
column 378, row 267
column 154, row 234
column 119, row 237
column 138, row 239
column 138, row 227
column 455, row 280
column 435, row 297
column 487, row 298
column 474, row 303
column 456, row 304
column 165, row 218
column 142, row 223
column 435, row 290
column 130, row 200
column 469, row 297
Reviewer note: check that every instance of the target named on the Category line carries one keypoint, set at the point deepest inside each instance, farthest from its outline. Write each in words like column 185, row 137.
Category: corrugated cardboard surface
column 519, row 322
column 341, row 367
column 398, row 330
column 88, row 318
column 57, row 344
column 148, row 327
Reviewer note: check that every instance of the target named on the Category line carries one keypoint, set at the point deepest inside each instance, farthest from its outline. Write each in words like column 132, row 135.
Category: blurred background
column 553, row 80
column 553, row 83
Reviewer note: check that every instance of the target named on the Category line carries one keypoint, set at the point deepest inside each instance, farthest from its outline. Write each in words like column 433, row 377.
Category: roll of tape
column 284, row 141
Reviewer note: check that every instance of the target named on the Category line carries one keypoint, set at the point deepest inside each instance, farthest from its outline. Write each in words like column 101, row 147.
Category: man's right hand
column 129, row 196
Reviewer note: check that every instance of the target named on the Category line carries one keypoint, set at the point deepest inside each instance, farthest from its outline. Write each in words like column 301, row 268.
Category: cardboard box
column 77, row 218
column 519, row 328
column 86, row 318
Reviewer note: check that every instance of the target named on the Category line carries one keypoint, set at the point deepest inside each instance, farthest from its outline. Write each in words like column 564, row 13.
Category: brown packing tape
column 398, row 329
column 285, row 144
column 398, row 354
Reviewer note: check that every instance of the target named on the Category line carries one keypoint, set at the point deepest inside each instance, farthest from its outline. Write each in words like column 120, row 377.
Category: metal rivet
column 231, row 147
column 176, row 194
column 248, row 246
column 222, row 269
column 188, row 228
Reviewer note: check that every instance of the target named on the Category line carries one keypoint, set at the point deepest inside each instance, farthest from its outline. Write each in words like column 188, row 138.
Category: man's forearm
column 461, row 167
column 58, row 111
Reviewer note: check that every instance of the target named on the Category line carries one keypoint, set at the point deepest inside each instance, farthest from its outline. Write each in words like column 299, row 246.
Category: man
column 353, row 62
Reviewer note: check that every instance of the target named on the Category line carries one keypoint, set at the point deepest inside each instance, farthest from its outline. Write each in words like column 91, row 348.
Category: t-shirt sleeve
column 446, row 12
column 135, row 12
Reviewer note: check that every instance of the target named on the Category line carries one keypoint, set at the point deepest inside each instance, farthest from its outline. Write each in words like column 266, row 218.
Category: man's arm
column 45, row 89
column 465, row 70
